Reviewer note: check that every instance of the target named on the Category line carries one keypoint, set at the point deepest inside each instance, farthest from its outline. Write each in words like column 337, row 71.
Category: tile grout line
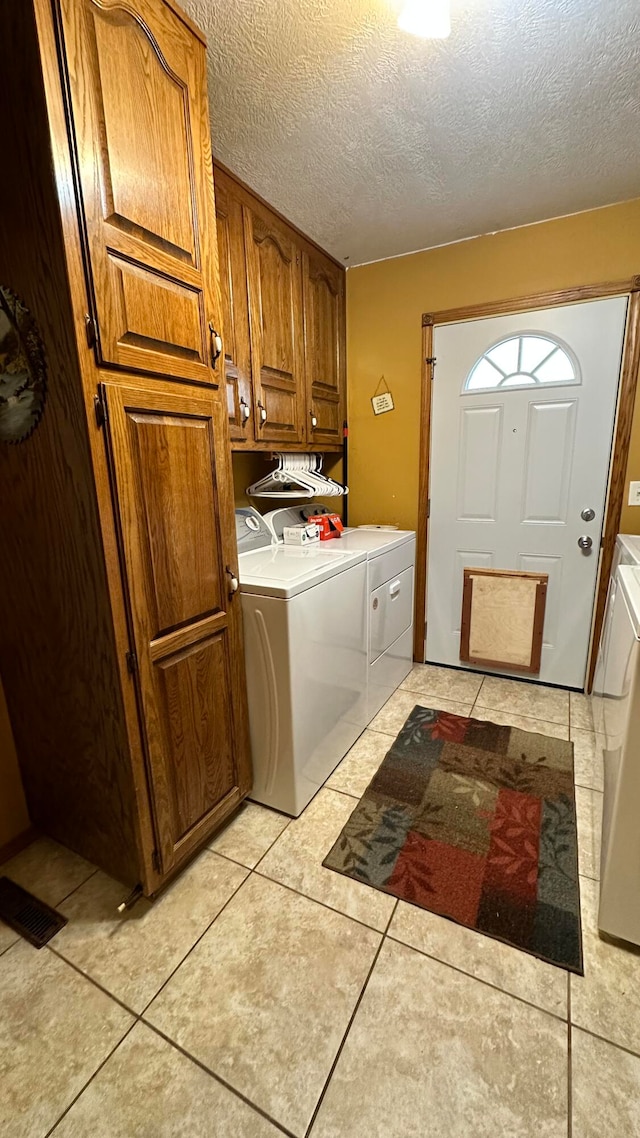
column 603, row 1039
column 90, row 1079
column 256, row 872
column 346, row 793
column 76, row 887
column 138, row 1016
column 343, row 1041
column 479, row 979
column 196, row 942
column 323, row 904
column 218, row 1078
column 96, row 983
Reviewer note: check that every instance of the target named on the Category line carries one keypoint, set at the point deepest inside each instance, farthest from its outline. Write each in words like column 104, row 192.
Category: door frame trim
column 629, row 371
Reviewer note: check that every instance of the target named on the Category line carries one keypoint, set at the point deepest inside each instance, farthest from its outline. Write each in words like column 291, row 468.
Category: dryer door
column 391, row 612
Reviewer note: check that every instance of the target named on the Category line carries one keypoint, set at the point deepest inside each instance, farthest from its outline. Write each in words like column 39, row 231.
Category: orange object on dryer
column 330, row 525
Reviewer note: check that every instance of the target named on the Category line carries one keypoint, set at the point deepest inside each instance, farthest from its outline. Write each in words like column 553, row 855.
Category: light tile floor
column 265, row 995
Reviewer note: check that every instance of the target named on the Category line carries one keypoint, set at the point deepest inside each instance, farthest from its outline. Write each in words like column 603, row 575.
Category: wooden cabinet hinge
column 91, row 329
column 132, row 662
column 101, row 409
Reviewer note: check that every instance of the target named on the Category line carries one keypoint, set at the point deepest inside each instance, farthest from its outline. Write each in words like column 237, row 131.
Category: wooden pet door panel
column 503, row 619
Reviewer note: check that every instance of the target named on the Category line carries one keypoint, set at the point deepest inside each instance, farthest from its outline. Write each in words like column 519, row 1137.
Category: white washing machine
column 626, row 552
column 619, row 913
column 391, row 556
column 305, row 631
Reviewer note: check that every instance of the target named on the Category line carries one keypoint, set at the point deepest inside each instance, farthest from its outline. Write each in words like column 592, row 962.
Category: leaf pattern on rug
column 527, row 777
column 557, row 862
column 370, row 842
column 471, row 786
column 412, row 875
column 452, row 728
column 514, row 837
column 413, row 731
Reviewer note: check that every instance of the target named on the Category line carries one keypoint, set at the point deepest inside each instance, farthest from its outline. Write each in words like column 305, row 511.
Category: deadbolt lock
column 588, row 514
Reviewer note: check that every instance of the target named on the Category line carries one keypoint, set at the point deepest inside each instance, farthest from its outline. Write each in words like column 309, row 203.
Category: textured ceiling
column 376, row 143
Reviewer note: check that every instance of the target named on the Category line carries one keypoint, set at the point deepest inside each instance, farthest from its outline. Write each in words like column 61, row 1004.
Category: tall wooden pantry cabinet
column 120, row 627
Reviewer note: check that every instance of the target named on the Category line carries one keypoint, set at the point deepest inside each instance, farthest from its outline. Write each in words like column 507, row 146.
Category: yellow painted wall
column 385, row 302
column 14, row 819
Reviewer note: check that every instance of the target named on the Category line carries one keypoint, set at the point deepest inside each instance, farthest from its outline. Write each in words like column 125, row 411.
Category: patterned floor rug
column 476, row 822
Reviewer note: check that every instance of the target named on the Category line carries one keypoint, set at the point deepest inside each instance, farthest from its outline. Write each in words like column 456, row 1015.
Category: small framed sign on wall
column 382, row 401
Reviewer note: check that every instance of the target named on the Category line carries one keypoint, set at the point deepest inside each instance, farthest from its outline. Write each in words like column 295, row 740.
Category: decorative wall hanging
column 22, row 369
column 503, row 619
column 382, row 400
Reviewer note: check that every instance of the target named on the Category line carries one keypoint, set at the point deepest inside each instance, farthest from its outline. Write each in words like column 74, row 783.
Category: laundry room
column 320, row 535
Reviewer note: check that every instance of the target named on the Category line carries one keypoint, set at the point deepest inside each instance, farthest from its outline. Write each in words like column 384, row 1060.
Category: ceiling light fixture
column 427, row 18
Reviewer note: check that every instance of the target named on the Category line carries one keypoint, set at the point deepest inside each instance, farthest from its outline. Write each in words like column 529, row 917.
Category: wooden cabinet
column 283, row 327
column 235, row 314
column 177, row 522
column 121, row 647
column 324, row 333
column 274, row 277
column 144, row 162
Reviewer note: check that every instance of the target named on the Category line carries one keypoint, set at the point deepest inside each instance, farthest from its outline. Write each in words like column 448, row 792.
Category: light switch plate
column 634, row 493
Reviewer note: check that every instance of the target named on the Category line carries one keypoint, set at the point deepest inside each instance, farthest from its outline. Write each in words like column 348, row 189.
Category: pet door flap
column 503, row 619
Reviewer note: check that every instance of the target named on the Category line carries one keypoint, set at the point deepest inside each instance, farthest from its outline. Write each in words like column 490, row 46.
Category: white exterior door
column 522, row 423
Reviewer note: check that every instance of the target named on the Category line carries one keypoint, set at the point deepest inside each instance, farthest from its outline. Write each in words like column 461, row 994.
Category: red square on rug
column 512, row 860
column 443, row 878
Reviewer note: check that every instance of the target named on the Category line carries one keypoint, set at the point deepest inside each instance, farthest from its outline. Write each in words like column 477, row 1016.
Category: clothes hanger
column 301, row 474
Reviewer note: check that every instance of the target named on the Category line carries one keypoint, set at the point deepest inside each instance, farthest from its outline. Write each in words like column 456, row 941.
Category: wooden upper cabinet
column 137, row 80
column 234, row 311
column 324, row 335
column 274, row 273
column 169, row 461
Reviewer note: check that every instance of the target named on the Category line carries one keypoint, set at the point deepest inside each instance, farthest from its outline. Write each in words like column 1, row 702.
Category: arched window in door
column 528, row 359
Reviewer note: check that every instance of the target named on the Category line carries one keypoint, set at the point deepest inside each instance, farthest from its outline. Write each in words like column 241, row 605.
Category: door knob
column 588, row 514
column 585, row 543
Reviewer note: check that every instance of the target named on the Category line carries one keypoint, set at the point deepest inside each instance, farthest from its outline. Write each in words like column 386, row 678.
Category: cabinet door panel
column 275, row 306
column 140, row 120
column 173, row 469
column 171, row 480
column 324, row 332
column 194, row 684
column 234, row 311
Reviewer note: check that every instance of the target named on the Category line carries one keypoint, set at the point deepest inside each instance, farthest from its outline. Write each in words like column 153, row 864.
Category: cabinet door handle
column 234, row 583
column 216, row 344
column 245, row 411
column 314, row 421
column 263, row 414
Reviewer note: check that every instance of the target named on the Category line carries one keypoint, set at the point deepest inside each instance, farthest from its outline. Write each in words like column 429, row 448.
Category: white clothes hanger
column 302, row 476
